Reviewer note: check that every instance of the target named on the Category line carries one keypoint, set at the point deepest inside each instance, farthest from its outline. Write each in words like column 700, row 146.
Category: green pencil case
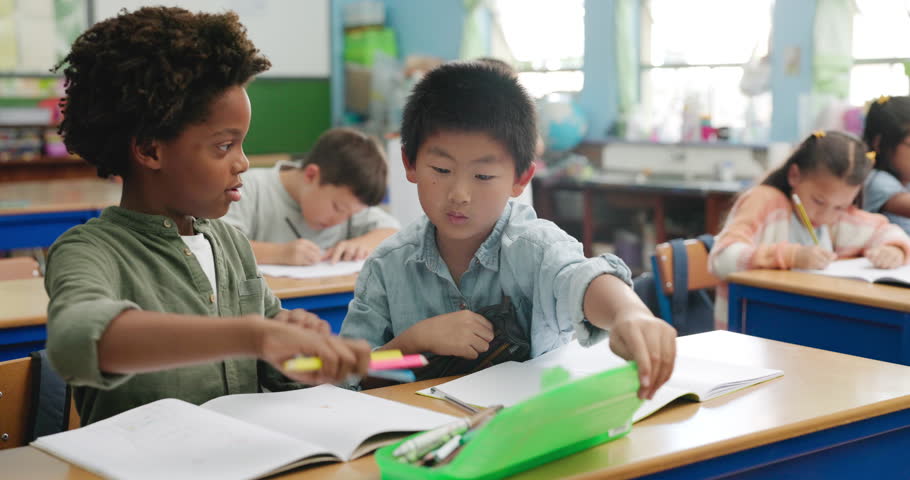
column 570, row 417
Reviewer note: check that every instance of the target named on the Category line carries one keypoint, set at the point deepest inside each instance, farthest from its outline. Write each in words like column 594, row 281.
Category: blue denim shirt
column 541, row 268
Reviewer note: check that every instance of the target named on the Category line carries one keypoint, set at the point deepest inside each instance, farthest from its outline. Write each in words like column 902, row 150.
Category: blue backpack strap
column 679, row 302
column 50, row 399
column 708, row 240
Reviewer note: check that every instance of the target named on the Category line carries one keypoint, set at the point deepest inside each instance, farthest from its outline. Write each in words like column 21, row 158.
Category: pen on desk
column 805, row 217
column 293, row 228
column 458, row 403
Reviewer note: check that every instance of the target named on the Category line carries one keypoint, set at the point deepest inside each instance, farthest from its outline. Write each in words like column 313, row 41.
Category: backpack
column 688, row 311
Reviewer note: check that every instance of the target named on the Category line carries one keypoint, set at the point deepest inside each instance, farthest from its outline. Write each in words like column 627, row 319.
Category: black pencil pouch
column 511, row 342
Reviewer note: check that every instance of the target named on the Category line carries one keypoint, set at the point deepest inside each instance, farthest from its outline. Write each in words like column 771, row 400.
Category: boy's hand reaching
column 813, row 257
column 650, row 342
column 885, row 256
column 279, row 341
column 301, row 252
column 462, row 334
column 305, row 319
column 353, row 249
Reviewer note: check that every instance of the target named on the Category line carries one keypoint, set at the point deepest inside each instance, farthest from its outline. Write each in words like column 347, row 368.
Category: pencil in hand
column 801, row 211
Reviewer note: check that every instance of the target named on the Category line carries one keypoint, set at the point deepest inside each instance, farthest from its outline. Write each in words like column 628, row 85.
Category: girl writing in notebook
column 767, row 228
column 158, row 298
column 887, row 133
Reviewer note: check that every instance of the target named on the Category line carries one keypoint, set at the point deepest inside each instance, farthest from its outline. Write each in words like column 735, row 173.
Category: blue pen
column 403, row 376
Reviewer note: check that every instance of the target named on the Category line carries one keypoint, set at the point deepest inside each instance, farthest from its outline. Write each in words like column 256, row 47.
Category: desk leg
column 660, row 227
column 712, row 214
column 735, row 309
column 587, row 226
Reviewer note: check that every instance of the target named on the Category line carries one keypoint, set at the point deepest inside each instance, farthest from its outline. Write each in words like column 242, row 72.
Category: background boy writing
column 468, row 138
column 323, row 209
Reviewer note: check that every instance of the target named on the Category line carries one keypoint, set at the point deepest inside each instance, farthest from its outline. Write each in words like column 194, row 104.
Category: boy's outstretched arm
column 635, row 334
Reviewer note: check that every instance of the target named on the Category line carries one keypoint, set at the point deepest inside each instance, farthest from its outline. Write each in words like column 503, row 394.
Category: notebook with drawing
column 239, row 436
column 511, row 382
column 862, row 269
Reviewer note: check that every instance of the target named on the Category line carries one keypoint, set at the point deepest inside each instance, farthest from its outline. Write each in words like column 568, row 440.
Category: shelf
column 42, row 160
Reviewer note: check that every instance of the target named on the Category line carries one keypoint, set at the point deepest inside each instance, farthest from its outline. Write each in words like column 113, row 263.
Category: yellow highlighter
column 805, row 217
column 309, row 364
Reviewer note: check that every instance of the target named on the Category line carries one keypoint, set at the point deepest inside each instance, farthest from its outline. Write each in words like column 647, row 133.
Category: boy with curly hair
column 157, row 298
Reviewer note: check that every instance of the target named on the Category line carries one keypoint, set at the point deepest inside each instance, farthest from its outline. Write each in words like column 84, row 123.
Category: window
column 547, row 61
column 881, row 46
column 693, row 64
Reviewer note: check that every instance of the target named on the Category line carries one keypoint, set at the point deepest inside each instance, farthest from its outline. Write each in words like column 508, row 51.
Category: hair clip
column 871, row 156
column 882, row 99
column 818, row 133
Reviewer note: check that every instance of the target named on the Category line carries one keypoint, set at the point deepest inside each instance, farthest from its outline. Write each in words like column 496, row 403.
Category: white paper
column 862, row 268
column 339, row 420
column 174, row 439
column 319, row 270
column 511, row 382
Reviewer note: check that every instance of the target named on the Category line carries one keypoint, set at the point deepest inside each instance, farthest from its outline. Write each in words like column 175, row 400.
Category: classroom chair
column 682, row 282
column 34, row 401
column 17, row 268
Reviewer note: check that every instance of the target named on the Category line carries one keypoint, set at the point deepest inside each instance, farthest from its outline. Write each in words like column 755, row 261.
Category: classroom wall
column 423, row 27
column 792, row 32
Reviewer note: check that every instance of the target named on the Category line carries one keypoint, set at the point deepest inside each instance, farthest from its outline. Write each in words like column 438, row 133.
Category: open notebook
column 239, row 436
column 862, row 269
column 318, row 270
column 511, row 382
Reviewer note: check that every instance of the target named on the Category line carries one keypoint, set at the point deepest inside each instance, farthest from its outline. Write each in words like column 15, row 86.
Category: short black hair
column 472, row 97
column 887, row 125
column 146, row 75
column 352, row 159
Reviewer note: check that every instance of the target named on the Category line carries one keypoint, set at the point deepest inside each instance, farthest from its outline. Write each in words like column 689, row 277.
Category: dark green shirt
column 128, row 260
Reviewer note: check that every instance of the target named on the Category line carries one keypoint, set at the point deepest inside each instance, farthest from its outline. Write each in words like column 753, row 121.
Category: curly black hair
column 146, row 75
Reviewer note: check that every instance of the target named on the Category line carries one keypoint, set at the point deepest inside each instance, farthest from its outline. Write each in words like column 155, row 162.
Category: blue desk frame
column 331, row 307
column 838, row 326
column 39, row 230
column 871, row 448
column 18, row 342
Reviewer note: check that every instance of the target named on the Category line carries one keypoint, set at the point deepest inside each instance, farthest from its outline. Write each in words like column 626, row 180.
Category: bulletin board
column 36, row 34
column 293, row 34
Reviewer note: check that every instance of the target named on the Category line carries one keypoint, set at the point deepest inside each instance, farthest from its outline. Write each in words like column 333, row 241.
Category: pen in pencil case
column 418, row 446
column 309, row 364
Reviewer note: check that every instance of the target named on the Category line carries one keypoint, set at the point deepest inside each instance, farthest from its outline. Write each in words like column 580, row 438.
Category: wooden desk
column 23, row 307
column 23, row 315
column 326, row 297
column 622, row 191
column 838, row 314
column 34, row 214
column 829, row 416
